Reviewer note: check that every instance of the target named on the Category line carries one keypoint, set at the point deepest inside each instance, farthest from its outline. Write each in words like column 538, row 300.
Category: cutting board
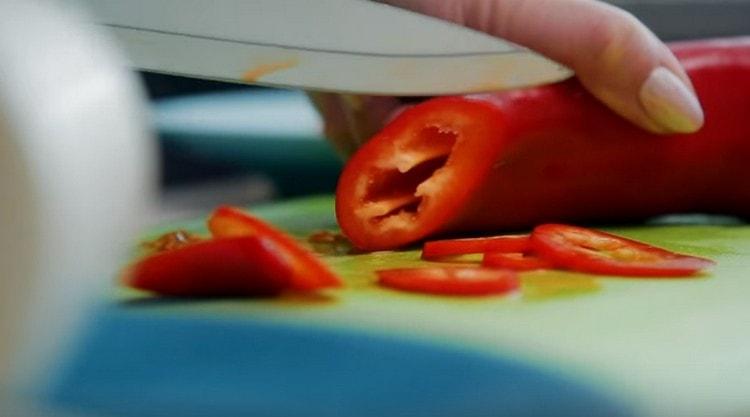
column 565, row 345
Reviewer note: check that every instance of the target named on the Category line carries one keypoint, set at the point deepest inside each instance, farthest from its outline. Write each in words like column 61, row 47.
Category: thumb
column 614, row 55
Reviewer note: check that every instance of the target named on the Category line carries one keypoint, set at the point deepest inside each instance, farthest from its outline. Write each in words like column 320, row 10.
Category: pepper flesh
column 549, row 154
column 593, row 251
column 235, row 266
column 309, row 273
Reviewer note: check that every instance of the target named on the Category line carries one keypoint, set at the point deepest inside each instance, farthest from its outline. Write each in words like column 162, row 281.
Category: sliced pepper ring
column 450, row 280
column 235, row 266
column 308, row 271
column 593, row 251
column 438, row 249
column 517, row 261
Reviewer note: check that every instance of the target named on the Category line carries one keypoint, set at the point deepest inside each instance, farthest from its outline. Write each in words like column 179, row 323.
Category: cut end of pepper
column 388, row 193
column 395, row 193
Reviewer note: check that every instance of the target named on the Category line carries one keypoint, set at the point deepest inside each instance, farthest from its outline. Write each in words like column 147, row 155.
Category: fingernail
column 670, row 103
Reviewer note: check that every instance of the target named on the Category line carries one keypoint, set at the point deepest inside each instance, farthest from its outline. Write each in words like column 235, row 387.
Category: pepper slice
column 517, row 261
column 238, row 266
column 516, row 159
column 308, row 271
column 438, row 249
column 450, row 280
column 597, row 252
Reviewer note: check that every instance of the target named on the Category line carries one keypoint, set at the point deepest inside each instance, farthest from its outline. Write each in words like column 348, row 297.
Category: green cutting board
column 664, row 346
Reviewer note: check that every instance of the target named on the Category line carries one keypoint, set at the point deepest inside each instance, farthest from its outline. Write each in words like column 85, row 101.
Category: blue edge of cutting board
column 132, row 364
column 135, row 361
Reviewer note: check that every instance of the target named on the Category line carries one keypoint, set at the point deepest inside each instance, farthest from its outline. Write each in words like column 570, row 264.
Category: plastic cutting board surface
column 567, row 344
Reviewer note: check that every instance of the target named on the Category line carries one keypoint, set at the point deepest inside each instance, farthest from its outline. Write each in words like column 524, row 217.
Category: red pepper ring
column 309, row 272
column 593, row 251
column 438, row 249
column 450, row 280
column 517, row 261
column 237, row 266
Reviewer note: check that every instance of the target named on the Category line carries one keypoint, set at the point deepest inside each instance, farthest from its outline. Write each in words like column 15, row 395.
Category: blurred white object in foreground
column 76, row 172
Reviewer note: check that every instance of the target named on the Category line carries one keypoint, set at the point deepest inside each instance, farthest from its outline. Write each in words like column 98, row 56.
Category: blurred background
column 228, row 143
column 223, row 143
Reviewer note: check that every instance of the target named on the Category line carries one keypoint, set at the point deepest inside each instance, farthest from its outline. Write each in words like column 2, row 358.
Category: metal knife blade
column 352, row 46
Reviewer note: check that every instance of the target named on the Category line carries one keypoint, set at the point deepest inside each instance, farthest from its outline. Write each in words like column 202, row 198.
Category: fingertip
column 638, row 77
column 615, row 56
column 670, row 103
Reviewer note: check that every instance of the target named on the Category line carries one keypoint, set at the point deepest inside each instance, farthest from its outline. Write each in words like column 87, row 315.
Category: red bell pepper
column 450, row 280
column 592, row 251
column 309, row 272
column 238, row 266
column 517, row 261
column 440, row 249
column 244, row 257
column 554, row 153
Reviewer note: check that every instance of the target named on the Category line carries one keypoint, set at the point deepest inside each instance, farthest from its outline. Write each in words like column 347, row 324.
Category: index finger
column 614, row 55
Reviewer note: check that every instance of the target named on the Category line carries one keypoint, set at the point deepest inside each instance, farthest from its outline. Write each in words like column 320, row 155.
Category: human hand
column 615, row 57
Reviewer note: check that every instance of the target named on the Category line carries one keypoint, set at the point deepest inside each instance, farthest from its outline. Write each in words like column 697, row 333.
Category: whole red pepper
column 553, row 153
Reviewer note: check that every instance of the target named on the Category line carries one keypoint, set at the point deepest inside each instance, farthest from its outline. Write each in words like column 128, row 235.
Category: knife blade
column 352, row 46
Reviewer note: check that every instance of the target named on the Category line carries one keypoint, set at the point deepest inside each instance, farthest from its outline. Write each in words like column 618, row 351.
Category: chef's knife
column 351, row 46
